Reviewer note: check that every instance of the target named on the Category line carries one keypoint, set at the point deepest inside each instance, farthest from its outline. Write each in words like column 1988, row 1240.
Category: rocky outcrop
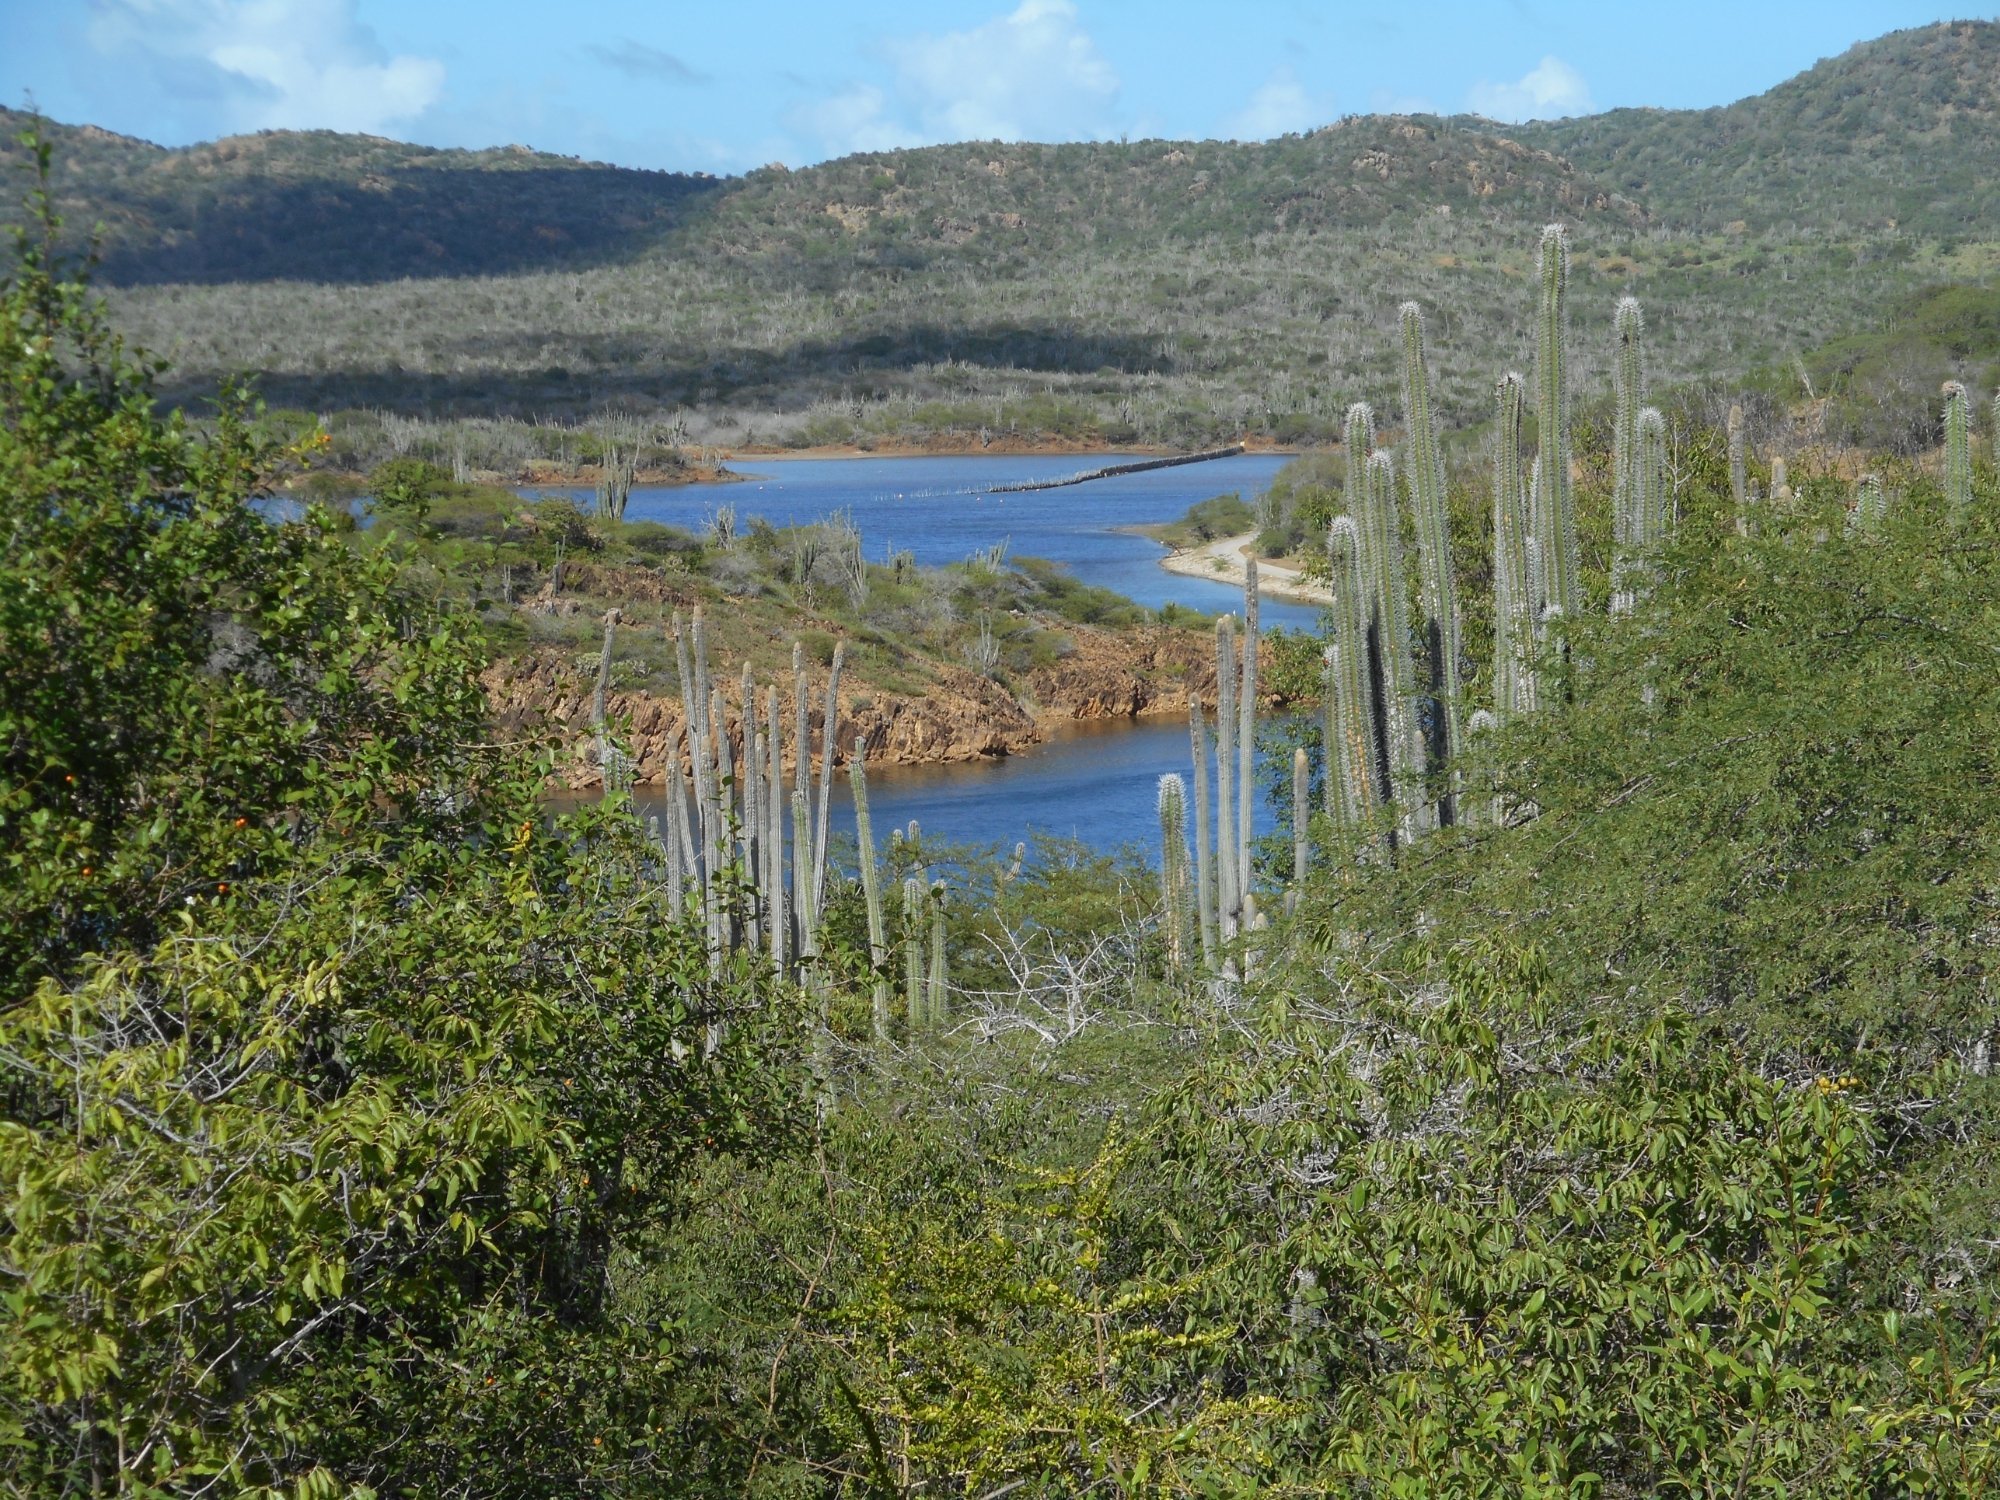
column 963, row 716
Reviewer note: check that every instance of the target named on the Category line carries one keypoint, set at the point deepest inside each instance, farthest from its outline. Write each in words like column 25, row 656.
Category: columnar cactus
column 1957, row 450
column 1483, row 809
column 1395, row 672
column 871, row 893
column 1555, row 520
column 1628, row 525
column 1871, row 504
column 1175, row 892
column 1301, row 826
column 1229, row 909
column 1739, row 487
column 1655, row 501
column 1204, row 875
column 1516, row 589
column 1628, row 375
column 829, row 731
column 1356, row 752
column 778, row 922
column 939, row 999
column 1438, row 628
column 913, row 953
column 1246, row 738
column 610, row 759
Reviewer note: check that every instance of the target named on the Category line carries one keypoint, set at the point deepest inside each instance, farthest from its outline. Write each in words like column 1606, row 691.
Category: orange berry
column 222, row 888
column 89, row 870
column 242, row 822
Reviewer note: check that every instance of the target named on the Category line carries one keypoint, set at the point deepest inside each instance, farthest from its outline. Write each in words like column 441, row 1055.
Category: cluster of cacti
column 727, row 810
column 1392, row 733
column 922, row 932
column 1222, row 881
column 723, row 830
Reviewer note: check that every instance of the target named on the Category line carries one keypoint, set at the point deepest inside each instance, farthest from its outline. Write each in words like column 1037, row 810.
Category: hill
column 1895, row 133
column 1116, row 293
column 321, row 206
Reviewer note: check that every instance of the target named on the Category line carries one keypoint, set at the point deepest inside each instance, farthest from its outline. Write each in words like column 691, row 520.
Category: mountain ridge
column 1151, row 292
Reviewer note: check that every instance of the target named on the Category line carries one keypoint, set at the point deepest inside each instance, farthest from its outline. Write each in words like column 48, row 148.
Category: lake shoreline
column 1223, row 561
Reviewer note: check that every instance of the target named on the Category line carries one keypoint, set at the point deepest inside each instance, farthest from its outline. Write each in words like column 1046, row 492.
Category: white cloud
column 271, row 64
column 855, row 119
column 1031, row 74
column 1548, row 91
column 1280, row 106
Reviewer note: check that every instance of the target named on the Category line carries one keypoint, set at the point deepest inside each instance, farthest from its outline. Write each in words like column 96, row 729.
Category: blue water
column 939, row 510
column 1095, row 782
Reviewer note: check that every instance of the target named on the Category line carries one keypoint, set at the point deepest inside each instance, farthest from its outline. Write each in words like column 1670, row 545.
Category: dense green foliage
column 332, row 1073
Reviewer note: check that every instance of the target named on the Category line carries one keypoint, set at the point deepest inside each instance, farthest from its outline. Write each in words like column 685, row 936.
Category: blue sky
column 722, row 86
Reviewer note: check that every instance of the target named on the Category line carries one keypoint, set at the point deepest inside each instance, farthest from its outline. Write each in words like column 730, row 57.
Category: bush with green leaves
column 335, row 1075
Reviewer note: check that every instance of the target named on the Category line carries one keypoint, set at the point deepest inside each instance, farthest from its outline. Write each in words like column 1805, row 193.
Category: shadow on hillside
column 638, row 370
column 410, row 222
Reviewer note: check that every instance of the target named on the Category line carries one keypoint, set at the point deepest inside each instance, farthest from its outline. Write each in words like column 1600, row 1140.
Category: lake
column 938, row 509
column 1095, row 782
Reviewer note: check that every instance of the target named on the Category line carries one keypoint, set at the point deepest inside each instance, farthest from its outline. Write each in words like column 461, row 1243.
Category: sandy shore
column 1223, row 561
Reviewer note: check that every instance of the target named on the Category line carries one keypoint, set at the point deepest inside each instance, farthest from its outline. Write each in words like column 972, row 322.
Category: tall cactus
column 1246, row 739
column 1739, row 484
column 871, row 894
column 829, row 731
column 1204, row 874
column 913, row 953
column 1957, row 451
column 610, row 759
column 939, row 996
column 779, row 924
column 1628, row 375
column 1301, row 826
column 1337, row 791
column 1175, row 892
column 1229, row 895
column 1395, row 671
column 1629, row 525
column 1516, row 590
column 1655, row 501
column 1438, row 629
column 1555, row 519
column 1355, row 749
